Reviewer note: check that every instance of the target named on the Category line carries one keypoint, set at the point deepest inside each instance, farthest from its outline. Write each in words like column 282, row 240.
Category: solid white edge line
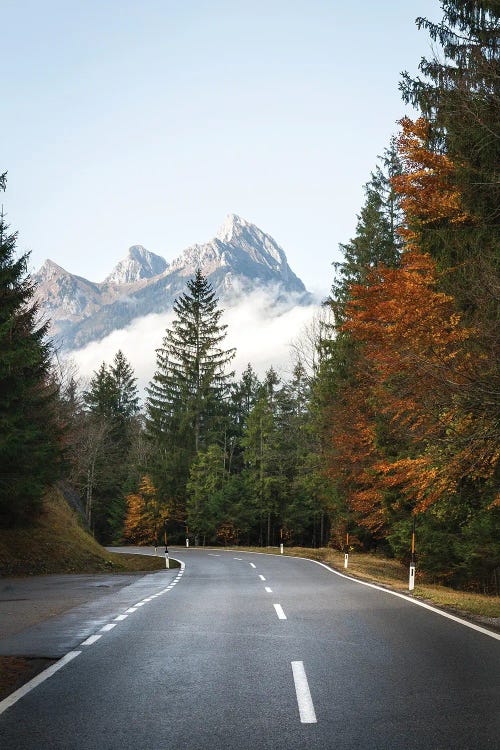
column 22, row 691
column 279, row 611
column 409, row 599
column 449, row 616
column 304, row 700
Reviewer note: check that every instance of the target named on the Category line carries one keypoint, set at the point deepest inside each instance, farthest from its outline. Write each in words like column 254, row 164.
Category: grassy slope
column 59, row 544
column 392, row 574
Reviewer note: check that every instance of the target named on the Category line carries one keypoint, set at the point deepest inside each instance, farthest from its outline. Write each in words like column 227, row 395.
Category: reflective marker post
column 411, row 584
column 167, row 559
column 346, row 554
column 281, row 541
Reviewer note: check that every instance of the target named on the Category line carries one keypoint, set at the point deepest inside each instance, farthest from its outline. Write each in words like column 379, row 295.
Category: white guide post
column 167, row 560
column 411, row 584
column 346, row 560
column 281, row 548
column 187, row 542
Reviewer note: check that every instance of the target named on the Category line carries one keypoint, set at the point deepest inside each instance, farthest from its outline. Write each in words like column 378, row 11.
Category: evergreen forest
column 389, row 417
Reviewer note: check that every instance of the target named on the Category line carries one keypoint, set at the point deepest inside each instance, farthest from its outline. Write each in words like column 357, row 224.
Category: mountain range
column 239, row 259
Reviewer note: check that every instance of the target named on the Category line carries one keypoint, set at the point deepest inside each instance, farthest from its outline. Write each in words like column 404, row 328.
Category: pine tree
column 377, row 239
column 257, row 443
column 459, row 95
column 207, row 477
column 100, row 398
column 124, row 382
column 187, row 397
column 29, row 439
column 112, row 391
column 112, row 405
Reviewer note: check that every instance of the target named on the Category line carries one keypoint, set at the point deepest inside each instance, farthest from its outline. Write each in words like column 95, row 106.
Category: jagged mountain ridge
column 240, row 258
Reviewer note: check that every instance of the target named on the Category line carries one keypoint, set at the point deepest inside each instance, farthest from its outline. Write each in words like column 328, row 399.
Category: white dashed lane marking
column 304, row 700
column 90, row 640
column 279, row 611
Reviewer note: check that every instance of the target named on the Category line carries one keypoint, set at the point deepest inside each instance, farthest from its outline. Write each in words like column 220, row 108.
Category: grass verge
column 57, row 543
column 394, row 575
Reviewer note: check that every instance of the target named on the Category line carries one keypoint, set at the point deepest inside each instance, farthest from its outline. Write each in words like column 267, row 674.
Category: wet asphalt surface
column 207, row 663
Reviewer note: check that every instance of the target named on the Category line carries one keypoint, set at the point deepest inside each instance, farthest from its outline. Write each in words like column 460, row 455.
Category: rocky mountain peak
column 139, row 264
column 239, row 259
column 237, row 232
column 232, row 228
column 49, row 271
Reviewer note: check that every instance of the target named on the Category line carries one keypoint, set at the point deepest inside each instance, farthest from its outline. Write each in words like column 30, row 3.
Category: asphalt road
column 255, row 651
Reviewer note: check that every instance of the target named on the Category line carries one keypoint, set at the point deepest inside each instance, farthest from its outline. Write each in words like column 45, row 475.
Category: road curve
column 266, row 652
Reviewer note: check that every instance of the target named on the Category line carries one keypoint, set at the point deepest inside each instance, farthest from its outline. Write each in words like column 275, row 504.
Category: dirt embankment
column 58, row 543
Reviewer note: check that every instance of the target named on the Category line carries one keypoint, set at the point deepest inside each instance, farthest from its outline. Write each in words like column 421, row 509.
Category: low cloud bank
column 259, row 328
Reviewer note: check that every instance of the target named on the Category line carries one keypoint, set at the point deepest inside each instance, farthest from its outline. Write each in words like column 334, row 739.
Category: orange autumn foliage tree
column 353, row 453
column 427, row 184
column 414, row 422
column 145, row 516
column 421, row 371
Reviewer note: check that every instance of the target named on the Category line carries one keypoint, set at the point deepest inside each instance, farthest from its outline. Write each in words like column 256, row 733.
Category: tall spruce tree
column 29, row 436
column 186, row 404
column 112, row 405
column 377, row 238
column 459, row 96
column 124, row 383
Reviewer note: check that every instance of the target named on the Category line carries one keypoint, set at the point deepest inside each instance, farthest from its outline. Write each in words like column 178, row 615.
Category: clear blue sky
column 147, row 122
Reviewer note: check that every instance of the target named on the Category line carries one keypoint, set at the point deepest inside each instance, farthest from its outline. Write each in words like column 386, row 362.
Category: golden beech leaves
column 405, row 322
column 145, row 516
column 419, row 372
column 427, row 183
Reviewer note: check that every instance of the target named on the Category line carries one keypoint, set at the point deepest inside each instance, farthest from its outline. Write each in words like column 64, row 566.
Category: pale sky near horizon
column 148, row 122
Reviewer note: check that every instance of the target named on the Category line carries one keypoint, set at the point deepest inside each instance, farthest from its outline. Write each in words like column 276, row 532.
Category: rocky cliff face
column 238, row 259
column 139, row 264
